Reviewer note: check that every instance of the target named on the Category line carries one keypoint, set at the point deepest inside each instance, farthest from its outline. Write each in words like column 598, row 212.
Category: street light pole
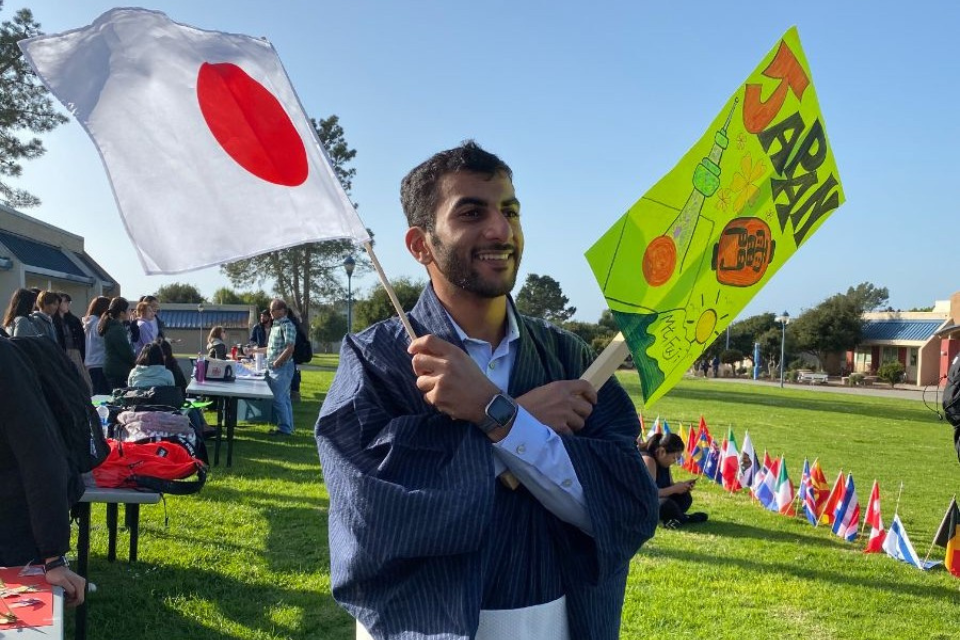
column 348, row 264
column 200, row 312
column 784, row 320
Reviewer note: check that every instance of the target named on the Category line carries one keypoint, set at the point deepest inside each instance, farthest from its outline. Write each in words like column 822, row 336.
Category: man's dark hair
column 418, row 189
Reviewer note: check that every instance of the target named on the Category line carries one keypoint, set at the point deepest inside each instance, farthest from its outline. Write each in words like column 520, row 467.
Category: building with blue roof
column 911, row 338
column 37, row 254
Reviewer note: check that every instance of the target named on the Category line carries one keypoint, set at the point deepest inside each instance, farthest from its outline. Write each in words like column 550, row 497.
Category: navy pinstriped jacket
column 422, row 536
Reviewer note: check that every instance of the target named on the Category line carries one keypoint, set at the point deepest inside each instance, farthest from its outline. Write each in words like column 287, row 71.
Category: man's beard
column 463, row 275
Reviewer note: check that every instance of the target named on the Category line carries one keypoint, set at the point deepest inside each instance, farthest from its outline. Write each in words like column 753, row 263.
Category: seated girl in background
column 150, row 370
column 659, row 452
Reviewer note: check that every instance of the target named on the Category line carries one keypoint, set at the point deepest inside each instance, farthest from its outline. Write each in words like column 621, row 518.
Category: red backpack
column 158, row 466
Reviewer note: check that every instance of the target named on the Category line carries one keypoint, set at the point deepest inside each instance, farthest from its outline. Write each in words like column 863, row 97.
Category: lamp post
column 348, row 264
column 784, row 320
column 200, row 312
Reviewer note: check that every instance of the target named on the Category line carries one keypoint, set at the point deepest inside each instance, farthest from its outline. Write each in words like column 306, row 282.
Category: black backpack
column 302, row 350
column 68, row 400
column 951, row 401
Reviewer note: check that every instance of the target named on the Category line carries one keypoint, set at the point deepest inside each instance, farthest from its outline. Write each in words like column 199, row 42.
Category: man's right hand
column 450, row 380
column 564, row 405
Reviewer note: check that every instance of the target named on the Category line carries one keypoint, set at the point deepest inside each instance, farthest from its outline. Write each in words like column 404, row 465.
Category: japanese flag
column 209, row 152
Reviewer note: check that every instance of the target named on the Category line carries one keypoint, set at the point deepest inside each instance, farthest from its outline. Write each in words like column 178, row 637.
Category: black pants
column 675, row 507
column 295, row 383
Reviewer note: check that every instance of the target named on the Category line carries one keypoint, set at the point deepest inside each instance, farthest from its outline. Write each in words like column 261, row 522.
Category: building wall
column 19, row 276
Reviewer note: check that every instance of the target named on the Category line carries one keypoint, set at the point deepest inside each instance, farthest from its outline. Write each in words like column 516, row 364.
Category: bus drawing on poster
column 684, row 260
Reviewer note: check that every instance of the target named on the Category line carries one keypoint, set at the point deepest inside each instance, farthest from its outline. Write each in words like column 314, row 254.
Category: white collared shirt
column 532, row 451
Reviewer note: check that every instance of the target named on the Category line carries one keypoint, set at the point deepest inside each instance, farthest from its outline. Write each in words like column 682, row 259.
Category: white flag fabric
column 898, row 545
column 209, row 152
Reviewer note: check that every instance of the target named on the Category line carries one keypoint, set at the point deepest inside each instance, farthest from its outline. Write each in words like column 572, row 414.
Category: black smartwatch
column 501, row 411
column 56, row 563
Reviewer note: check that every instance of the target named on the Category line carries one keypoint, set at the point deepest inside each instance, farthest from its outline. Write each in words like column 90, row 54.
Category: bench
column 812, row 378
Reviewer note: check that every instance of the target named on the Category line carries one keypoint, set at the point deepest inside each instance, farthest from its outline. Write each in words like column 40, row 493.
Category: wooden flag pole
column 607, row 362
column 507, row 478
column 390, row 292
column 934, row 541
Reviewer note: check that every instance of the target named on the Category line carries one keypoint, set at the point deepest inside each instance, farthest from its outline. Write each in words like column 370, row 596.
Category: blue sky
column 590, row 104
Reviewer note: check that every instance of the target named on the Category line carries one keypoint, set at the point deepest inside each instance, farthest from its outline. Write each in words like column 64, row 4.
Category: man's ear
column 418, row 245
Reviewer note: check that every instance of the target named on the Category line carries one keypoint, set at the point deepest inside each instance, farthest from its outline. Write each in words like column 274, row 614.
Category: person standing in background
column 146, row 325
column 94, row 358
column 261, row 330
column 47, row 305
column 279, row 351
column 72, row 337
column 119, row 358
column 16, row 319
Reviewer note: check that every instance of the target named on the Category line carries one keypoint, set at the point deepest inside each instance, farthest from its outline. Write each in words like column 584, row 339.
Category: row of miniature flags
column 838, row 507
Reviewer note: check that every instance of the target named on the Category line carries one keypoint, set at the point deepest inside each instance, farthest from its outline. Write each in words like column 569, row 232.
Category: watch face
column 501, row 410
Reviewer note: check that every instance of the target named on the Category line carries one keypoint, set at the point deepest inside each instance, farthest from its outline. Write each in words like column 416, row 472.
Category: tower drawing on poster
column 686, row 258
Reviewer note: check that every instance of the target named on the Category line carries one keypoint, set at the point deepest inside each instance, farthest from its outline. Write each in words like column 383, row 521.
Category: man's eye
column 511, row 213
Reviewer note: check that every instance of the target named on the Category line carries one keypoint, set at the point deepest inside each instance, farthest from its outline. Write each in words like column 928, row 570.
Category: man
column 425, row 542
column 279, row 351
column 261, row 330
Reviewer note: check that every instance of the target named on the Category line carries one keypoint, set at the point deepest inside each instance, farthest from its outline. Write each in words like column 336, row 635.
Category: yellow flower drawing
column 723, row 199
column 743, row 182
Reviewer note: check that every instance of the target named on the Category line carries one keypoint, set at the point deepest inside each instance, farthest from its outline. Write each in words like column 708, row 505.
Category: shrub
column 856, row 379
column 891, row 371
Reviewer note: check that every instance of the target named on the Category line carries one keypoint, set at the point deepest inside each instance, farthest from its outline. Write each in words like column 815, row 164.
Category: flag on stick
column 897, row 545
column 830, row 504
column 785, row 493
column 201, row 134
column 690, row 254
column 948, row 536
column 808, row 495
column 820, row 487
column 749, row 465
column 730, row 463
column 877, row 534
column 846, row 520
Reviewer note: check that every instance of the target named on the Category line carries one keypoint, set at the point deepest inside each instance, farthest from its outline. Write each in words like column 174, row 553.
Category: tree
column 226, row 295
column 745, row 333
column 179, row 292
column 308, row 272
column 867, row 297
column 732, row 357
column 542, row 297
column 329, row 324
column 836, row 324
column 378, row 306
column 25, row 105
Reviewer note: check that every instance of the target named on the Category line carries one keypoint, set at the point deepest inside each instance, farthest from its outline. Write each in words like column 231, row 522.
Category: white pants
column 547, row 621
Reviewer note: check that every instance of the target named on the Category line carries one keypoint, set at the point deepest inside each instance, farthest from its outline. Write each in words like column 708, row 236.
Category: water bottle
column 201, row 369
column 104, row 414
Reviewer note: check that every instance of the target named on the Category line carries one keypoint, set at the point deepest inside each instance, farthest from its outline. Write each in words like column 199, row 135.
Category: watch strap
column 56, row 563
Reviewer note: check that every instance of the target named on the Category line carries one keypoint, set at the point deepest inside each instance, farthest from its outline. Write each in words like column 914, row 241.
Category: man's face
column 477, row 241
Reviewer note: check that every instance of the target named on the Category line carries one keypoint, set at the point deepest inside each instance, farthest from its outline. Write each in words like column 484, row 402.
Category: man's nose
column 499, row 228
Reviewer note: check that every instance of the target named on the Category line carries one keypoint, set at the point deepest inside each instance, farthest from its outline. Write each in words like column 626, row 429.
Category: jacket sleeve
column 621, row 497
column 402, row 479
column 30, row 431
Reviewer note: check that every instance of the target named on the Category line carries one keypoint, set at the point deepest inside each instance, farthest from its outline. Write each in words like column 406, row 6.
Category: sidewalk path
column 931, row 394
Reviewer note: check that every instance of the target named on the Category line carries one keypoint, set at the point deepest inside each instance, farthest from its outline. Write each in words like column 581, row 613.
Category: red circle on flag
column 250, row 124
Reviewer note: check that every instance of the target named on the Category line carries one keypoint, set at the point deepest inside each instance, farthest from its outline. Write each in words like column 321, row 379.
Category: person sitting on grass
column 659, row 452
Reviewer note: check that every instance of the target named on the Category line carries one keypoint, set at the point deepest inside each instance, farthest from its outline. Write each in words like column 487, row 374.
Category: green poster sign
column 679, row 266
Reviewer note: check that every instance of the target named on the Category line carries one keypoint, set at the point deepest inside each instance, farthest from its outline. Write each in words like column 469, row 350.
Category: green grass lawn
column 248, row 558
